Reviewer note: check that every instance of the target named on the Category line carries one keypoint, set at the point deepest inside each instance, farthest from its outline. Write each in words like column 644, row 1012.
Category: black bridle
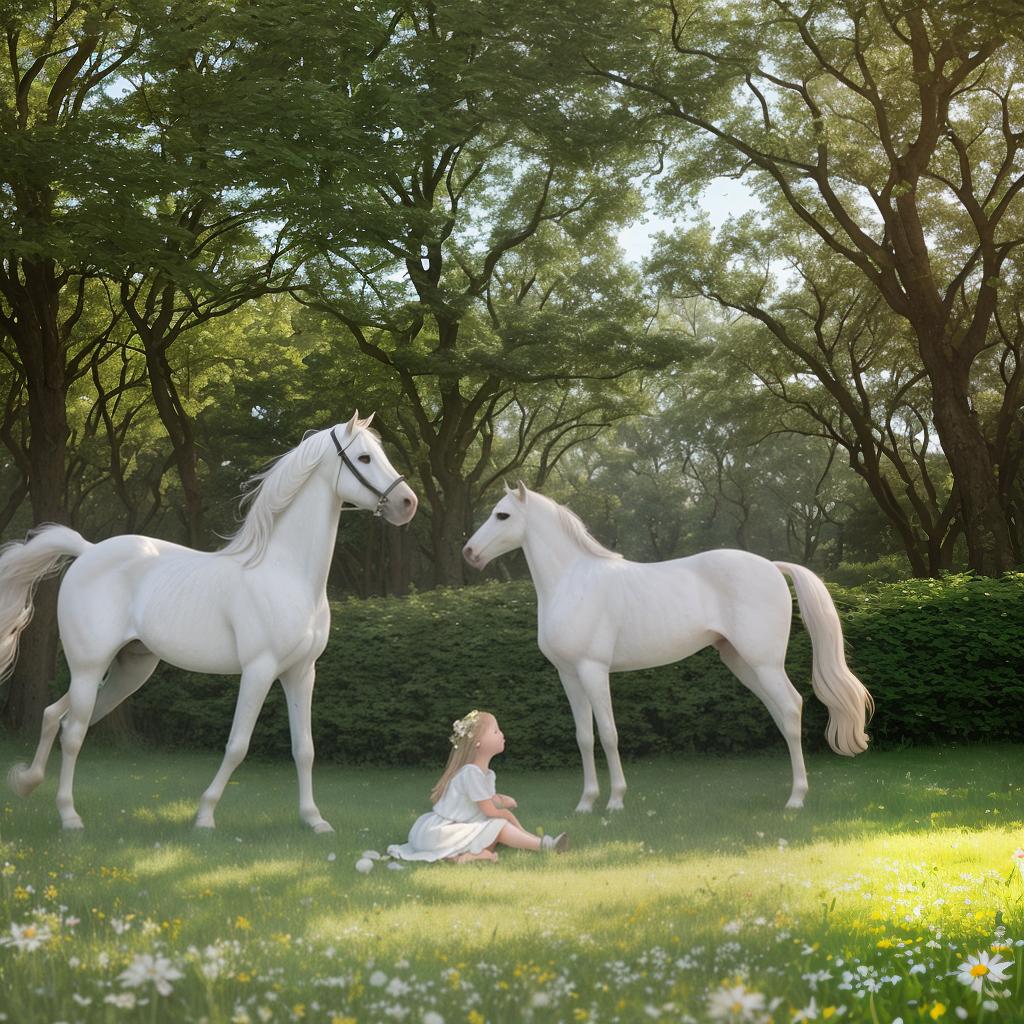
column 382, row 496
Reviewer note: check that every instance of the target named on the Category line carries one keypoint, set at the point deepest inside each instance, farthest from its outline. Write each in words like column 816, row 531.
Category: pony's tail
column 22, row 565
column 849, row 704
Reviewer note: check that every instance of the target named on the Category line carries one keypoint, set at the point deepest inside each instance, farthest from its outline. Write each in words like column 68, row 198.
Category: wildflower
column 809, row 1012
column 937, row 1011
column 146, row 968
column 982, row 970
column 378, row 978
column 122, row 1000
column 27, row 938
column 814, row 977
column 735, row 1004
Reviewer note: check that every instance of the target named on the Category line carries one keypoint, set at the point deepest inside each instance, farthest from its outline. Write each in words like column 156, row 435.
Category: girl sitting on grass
column 469, row 818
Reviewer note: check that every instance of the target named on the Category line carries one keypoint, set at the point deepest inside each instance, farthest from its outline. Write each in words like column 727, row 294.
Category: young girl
column 469, row 819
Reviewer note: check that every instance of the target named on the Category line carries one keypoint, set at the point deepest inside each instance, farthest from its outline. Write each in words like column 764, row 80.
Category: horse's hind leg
column 298, row 691
column 128, row 672
column 81, row 696
column 23, row 778
column 256, row 682
column 784, row 703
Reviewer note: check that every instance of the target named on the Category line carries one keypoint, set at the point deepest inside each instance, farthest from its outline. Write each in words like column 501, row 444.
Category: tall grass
column 704, row 899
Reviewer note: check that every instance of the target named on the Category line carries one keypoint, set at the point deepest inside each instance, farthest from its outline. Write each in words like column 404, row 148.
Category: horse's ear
column 521, row 491
column 368, row 420
column 508, row 490
column 353, row 423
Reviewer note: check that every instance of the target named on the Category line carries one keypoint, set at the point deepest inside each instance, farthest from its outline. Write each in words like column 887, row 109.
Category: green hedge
column 943, row 658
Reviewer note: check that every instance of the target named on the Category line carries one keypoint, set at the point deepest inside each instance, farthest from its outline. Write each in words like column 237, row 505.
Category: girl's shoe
column 559, row 843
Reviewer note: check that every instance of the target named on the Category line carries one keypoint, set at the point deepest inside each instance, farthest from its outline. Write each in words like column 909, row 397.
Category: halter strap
column 382, row 496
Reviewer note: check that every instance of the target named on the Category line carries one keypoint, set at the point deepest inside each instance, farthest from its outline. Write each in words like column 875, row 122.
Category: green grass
column 704, row 881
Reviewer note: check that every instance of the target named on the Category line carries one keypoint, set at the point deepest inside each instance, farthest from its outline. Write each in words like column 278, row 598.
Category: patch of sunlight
column 247, row 874
column 160, row 862
column 175, row 812
column 434, row 906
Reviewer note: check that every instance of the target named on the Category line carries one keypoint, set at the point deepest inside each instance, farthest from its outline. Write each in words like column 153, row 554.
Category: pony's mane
column 572, row 525
column 272, row 490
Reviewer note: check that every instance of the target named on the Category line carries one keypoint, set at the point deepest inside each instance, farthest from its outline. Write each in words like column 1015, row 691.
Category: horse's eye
column 364, row 458
column 501, row 515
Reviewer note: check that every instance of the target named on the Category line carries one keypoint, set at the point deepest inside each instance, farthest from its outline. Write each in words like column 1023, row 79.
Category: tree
column 889, row 130
column 822, row 346
column 479, row 271
column 59, row 165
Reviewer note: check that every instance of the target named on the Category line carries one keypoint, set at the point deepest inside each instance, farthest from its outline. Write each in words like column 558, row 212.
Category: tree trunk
column 398, row 554
column 450, row 519
column 989, row 549
column 41, row 351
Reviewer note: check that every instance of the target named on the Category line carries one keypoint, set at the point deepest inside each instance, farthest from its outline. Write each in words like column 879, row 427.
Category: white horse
column 598, row 613
column 258, row 606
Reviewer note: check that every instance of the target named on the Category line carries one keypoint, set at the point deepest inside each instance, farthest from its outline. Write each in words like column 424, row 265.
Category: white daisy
column 27, row 938
column 735, row 1004
column 145, row 969
column 809, row 1012
column 983, row 970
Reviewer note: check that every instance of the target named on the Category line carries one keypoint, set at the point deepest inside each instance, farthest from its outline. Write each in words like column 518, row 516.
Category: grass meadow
column 703, row 900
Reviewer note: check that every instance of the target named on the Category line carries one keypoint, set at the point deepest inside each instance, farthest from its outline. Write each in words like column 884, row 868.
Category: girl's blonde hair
column 463, row 741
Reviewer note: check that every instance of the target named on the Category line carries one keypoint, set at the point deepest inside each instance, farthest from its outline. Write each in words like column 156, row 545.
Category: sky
column 724, row 197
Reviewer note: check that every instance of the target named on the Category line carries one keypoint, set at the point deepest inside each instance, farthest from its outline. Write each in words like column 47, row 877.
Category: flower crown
column 463, row 727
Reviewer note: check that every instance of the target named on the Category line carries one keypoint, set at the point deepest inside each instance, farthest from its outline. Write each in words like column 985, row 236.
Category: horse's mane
column 577, row 531
column 269, row 492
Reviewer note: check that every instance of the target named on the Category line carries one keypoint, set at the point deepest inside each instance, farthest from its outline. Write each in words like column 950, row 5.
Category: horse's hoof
column 73, row 824
column 322, row 827
column 204, row 825
column 794, row 803
column 614, row 805
column 22, row 780
column 584, row 807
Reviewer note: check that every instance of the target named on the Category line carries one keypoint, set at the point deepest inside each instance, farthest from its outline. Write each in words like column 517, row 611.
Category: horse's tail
column 22, row 565
column 849, row 704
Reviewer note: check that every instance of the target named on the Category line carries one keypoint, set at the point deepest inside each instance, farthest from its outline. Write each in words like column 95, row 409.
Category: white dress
column 455, row 825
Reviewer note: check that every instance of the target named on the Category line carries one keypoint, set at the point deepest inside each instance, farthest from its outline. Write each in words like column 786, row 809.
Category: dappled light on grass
column 175, row 812
column 702, row 890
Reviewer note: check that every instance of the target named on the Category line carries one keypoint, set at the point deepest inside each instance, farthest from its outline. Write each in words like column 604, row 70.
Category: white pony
column 598, row 613
column 258, row 606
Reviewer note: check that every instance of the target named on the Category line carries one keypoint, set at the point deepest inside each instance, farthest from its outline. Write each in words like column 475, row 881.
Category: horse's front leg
column 298, row 691
column 583, row 716
column 593, row 678
column 257, row 678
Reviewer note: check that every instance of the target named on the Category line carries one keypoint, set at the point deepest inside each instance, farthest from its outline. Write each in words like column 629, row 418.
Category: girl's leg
column 518, row 838
column 465, row 858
